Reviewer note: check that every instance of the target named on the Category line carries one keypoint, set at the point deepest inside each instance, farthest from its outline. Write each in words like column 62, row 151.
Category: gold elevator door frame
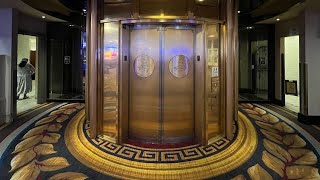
column 161, row 90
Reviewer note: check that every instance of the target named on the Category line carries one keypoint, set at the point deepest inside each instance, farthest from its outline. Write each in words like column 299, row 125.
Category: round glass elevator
column 161, row 79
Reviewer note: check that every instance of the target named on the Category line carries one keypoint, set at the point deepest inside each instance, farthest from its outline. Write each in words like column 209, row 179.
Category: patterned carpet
column 293, row 116
column 25, row 117
column 57, row 146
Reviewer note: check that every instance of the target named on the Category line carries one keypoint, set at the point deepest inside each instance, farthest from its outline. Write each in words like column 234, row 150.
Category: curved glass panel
column 213, row 82
column 110, row 70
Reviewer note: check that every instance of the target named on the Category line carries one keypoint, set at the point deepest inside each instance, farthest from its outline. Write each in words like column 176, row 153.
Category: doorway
column 27, row 66
column 255, row 63
column 161, row 89
column 291, row 73
column 260, row 63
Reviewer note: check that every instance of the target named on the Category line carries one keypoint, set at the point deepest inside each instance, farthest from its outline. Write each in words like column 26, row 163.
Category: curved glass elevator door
column 161, row 101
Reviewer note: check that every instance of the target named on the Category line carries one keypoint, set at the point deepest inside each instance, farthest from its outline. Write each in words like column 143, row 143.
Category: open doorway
column 26, row 71
column 291, row 72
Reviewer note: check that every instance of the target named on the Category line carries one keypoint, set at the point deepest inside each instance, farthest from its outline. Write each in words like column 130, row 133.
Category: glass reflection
column 213, row 82
column 110, row 66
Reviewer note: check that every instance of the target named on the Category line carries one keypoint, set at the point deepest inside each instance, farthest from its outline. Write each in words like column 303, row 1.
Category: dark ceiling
column 253, row 11
column 76, row 5
column 249, row 5
column 68, row 10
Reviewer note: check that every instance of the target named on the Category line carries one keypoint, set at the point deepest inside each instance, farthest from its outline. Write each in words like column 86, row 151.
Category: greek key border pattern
column 176, row 155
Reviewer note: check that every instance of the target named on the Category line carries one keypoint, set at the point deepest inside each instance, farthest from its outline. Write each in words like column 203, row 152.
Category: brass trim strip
column 171, row 19
column 161, row 78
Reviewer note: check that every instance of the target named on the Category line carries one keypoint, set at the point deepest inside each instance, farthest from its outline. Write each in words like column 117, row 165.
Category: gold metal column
column 231, row 64
column 236, row 57
column 92, row 81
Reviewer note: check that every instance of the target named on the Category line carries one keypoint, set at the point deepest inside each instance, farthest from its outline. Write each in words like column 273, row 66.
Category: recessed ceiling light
column 43, row 17
column 84, row 10
column 278, row 19
column 239, row 12
column 200, row 0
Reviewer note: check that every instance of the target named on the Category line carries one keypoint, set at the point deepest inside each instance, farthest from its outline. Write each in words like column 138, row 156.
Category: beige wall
column 25, row 45
column 283, row 29
column 308, row 27
column 292, row 58
column 291, row 54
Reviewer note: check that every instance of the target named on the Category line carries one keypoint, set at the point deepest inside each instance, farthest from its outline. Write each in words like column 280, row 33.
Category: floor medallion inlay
column 127, row 161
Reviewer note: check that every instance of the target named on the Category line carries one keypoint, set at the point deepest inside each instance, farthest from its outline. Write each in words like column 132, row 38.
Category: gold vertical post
column 236, row 58
column 88, row 55
column 92, row 73
column 231, row 66
column 100, row 73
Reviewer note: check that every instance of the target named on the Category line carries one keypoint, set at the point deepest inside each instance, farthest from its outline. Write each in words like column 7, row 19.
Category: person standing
column 24, row 73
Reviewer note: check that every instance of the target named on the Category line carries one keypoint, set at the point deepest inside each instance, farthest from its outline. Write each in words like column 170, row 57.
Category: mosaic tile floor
column 56, row 146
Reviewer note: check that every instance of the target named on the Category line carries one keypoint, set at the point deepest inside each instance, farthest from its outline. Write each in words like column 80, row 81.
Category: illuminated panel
column 213, row 82
column 110, row 70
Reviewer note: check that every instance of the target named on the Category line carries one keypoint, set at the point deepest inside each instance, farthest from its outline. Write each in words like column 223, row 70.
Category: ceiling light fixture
column 278, row 19
column 43, row 17
column 239, row 12
column 84, row 10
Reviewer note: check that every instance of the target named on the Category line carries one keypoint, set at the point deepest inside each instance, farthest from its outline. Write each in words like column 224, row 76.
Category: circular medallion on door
column 179, row 66
column 143, row 66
